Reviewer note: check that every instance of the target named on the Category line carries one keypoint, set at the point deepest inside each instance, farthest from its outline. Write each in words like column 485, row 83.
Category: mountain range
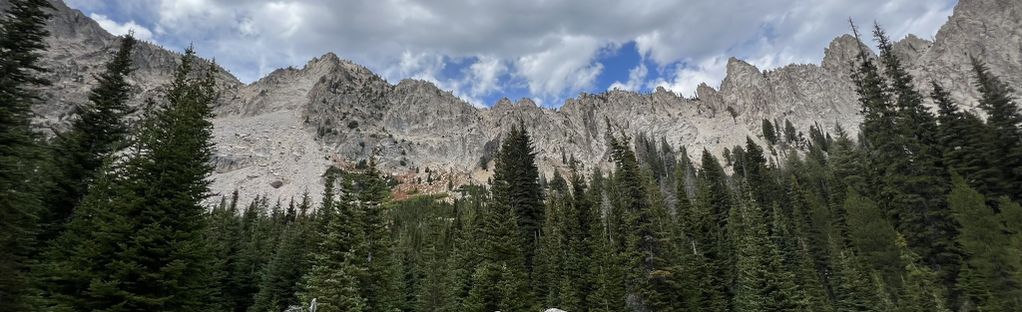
column 277, row 135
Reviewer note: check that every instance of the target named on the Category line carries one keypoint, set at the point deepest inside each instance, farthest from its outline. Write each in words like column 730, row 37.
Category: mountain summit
column 276, row 136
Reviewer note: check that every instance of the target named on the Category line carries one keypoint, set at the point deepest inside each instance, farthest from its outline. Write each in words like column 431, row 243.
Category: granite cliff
column 277, row 135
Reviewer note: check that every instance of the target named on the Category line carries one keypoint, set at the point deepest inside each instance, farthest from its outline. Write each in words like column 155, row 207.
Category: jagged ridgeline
column 276, row 136
column 878, row 181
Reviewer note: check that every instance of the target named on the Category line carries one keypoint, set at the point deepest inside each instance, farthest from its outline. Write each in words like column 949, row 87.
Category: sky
column 483, row 50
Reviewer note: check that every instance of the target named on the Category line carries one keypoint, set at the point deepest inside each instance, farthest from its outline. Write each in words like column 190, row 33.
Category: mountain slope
column 277, row 135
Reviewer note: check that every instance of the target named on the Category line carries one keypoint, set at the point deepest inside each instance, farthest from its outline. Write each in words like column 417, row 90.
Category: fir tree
column 22, row 31
column 98, row 130
column 516, row 186
column 922, row 289
column 1004, row 145
column 854, row 288
column 990, row 276
column 333, row 281
column 769, row 134
column 281, row 277
column 500, row 281
column 917, row 178
column 148, row 252
column 379, row 285
column 873, row 238
column 708, row 230
column 961, row 135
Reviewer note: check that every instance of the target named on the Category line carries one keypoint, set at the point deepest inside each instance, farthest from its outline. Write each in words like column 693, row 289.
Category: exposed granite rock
column 277, row 135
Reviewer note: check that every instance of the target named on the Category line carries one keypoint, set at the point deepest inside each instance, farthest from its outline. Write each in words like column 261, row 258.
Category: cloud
column 541, row 48
column 566, row 65
column 686, row 78
column 484, row 75
column 119, row 29
column 636, row 78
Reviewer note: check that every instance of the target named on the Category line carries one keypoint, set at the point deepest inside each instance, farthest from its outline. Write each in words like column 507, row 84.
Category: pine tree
column 333, row 281
column 148, row 252
column 769, row 134
column 609, row 278
column 254, row 241
column 990, row 276
column 582, row 223
column 797, row 286
column 379, row 284
column 922, row 289
column 855, row 290
column 879, row 139
column 873, row 238
column 171, row 177
column 98, row 130
column 22, row 31
column 708, row 230
column 1004, row 145
column 500, row 280
column 806, row 223
column 916, row 178
column 752, row 257
column 223, row 236
column 961, row 135
column 516, row 185
column 281, row 277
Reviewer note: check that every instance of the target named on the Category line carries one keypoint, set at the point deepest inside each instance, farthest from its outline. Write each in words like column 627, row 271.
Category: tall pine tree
column 98, row 129
column 21, row 40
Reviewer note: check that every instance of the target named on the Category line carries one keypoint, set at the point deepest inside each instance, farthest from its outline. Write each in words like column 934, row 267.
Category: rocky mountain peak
column 502, row 104
column 910, row 48
column 277, row 135
column 739, row 68
column 842, row 52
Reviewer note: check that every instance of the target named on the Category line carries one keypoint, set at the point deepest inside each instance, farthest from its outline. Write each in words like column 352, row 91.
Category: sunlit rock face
column 276, row 136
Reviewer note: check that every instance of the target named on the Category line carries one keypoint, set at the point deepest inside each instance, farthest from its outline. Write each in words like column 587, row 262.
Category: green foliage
column 22, row 33
column 881, row 223
column 991, row 276
column 147, row 251
column 769, row 134
column 98, row 130
column 1003, row 176
column 515, row 186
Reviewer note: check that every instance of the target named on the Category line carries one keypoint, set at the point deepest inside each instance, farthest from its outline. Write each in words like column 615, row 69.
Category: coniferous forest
column 918, row 212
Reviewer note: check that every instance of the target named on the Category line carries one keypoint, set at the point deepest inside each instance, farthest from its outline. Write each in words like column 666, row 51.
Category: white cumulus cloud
column 120, row 29
column 550, row 48
column 636, row 79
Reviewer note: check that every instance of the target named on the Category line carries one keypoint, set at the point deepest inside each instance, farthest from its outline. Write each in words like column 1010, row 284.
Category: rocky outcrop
column 277, row 135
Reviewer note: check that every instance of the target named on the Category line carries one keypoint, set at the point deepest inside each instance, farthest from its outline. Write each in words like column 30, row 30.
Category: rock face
column 277, row 135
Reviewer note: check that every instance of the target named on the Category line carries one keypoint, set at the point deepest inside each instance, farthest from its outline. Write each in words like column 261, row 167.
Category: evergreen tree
column 379, row 284
column 22, row 31
column 790, row 134
column 769, row 134
column 873, row 238
column 98, row 130
column 333, row 281
column 281, row 277
column 1004, row 175
column 708, row 230
column 516, row 185
column 148, row 252
column 256, row 241
column 752, row 257
column 925, row 218
column 500, row 281
column 854, row 288
column 223, row 236
column 961, row 135
column 990, row 278
column 923, row 291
